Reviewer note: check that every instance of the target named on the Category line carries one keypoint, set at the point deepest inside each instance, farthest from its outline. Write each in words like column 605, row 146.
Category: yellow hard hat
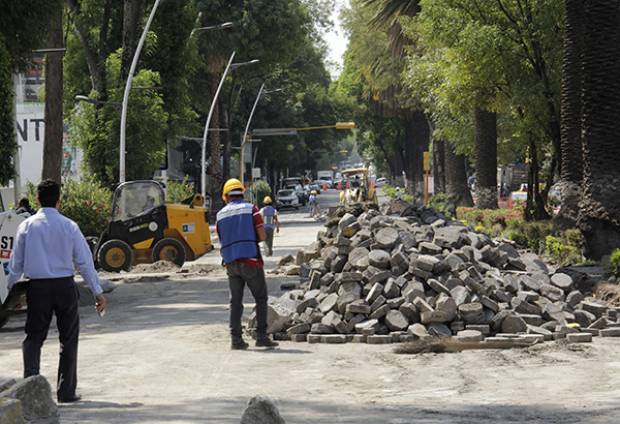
column 232, row 186
column 267, row 200
column 313, row 192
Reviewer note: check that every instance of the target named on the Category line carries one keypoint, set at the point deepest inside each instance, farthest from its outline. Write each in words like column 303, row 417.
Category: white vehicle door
column 9, row 221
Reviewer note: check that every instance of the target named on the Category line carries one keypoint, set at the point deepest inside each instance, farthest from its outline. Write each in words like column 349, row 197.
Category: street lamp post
column 132, row 69
column 203, row 171
column 247, row 129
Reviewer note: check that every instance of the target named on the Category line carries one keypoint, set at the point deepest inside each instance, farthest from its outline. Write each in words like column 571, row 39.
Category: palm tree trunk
column 456, row 178
column 485, row 152
column 52, row 147
column 571, row 141
column 599, row 215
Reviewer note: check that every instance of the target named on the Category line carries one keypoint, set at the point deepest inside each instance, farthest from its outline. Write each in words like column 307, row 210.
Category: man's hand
column 100, row 303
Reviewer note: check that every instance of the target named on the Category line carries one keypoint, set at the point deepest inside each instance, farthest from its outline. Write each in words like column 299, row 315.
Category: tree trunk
column 417, row 140
column 485, row 152
column 571, row 141
column 456, row 178
column 439, row 166
column 535, row 205
column 132, row 14
column 599, row 215
column 214, row 145
column 52, row 147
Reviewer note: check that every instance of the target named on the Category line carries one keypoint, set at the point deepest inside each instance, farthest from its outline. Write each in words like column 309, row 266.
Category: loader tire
column 115, row 256
column 169, row 249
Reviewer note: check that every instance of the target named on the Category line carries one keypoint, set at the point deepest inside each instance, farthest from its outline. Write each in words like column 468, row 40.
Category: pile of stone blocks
column 379, row 279
column 28, row 400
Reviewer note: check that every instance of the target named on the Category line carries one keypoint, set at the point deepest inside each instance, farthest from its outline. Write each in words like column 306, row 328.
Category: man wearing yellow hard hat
column 240, row 228
column 270, row 218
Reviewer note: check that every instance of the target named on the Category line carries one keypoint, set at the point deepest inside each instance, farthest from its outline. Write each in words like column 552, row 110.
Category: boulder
column 379, row 258
column 35, row 396
column 386, row 238
column 11, row 411
column 396, row 321
column 261, row 410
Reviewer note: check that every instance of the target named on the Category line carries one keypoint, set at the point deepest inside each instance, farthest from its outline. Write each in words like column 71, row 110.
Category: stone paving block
column 579, row 338
column 379, row 339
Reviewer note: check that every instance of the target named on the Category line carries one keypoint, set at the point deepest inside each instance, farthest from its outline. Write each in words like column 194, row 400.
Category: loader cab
column 136, row 198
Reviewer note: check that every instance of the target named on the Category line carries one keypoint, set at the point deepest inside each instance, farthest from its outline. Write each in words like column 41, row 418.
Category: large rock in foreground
column 261, row 410
column 35, row 395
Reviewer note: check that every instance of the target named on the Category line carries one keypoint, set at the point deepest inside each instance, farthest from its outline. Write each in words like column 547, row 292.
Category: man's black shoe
column 72, row 399
column 266, row 342
column 239, row 344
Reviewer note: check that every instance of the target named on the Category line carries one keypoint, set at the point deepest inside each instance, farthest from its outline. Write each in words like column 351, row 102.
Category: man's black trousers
column 240, row 274
column 59, row 297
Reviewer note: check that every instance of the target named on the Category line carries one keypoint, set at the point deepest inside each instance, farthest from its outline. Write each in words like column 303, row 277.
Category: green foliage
column 96, row 128
column 562, row 251
column 8, row 145
column 260, row 189
column 177, row 191
column 87, row 202
column 390, row 192
column 614, row 262
column 441, row 203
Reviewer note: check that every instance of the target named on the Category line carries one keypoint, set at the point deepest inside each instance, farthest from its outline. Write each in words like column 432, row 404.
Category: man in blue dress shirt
column 48, row 247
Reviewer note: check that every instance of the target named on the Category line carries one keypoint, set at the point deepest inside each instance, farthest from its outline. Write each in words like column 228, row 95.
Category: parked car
column 381, row 181
column 287, row 198
column 301, row 192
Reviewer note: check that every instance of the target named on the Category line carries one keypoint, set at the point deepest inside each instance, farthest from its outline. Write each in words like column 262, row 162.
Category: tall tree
column 457, row 189
column 23, row 24
column 599, row 217
column 486, row 158
column 52, row 148
column 572, row 141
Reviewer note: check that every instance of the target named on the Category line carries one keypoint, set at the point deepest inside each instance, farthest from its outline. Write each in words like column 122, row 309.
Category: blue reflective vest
column 269, row 213
column 235, row 228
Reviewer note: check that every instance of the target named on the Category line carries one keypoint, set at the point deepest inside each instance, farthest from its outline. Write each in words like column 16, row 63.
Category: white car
column 381, row 181
column 287, row 199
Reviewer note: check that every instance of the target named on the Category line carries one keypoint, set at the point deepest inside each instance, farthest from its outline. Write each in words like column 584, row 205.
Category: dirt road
column 161, row 355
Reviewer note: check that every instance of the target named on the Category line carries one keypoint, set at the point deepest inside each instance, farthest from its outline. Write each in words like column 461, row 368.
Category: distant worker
column 398, row 194
column 272, row 223
column 240, row 228
column 314, row 204
column 24, row 208
column 48, row 247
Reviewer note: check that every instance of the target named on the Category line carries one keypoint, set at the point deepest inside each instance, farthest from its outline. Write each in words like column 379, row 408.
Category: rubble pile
column 380, row 279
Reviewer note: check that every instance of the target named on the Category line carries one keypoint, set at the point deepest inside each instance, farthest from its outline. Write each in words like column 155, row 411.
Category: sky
column 336, row 41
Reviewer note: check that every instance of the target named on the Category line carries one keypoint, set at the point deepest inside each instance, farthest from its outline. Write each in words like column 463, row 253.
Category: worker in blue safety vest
column 272, row 224
column 240, row 228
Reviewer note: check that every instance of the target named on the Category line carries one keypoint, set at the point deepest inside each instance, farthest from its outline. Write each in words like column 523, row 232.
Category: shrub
column 614, row 261
column 177, row 191
column 441, row 203
column 562, row 252
column 86, row 202
column 260, row 189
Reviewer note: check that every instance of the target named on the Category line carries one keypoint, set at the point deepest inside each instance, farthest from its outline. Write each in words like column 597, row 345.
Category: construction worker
column 240, row 228
column 314, row 204
column 48, row 247
column 270, row 218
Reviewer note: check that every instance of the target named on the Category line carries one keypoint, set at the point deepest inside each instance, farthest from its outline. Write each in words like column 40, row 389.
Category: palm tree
column 386, row 16
column 571, row 139
column 599, row 215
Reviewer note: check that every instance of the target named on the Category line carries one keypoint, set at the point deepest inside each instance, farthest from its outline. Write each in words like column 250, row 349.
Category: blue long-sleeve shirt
column 49, row 245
